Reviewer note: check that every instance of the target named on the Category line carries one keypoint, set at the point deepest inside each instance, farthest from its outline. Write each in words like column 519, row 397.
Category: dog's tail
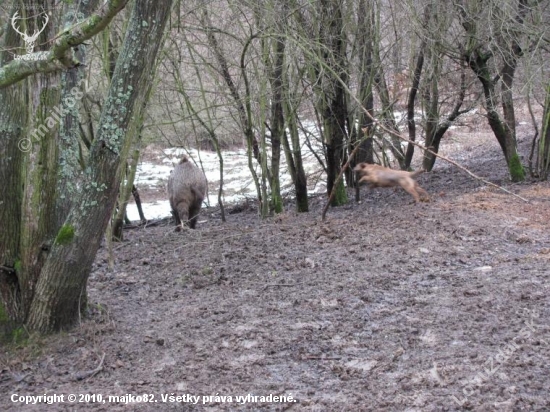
column 417, row 172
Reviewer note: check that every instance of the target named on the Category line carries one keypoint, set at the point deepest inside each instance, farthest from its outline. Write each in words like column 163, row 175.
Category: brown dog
column 379, row 176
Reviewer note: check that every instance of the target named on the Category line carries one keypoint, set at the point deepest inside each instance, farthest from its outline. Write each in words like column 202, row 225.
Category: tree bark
column 14, row 117
column 65, row 272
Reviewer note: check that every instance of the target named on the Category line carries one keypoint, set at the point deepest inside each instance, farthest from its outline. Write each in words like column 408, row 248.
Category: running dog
column 379, row 176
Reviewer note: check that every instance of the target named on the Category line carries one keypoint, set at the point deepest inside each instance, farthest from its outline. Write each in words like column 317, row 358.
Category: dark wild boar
column 187, row 188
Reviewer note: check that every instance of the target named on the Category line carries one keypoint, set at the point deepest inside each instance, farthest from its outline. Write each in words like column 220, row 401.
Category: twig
column 322, row 357
column 20, row 377
column 88, row 374
column 148, row 223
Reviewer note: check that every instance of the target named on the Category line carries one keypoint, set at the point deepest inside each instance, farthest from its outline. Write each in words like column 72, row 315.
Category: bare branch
column 88, row 374
column 61, row 55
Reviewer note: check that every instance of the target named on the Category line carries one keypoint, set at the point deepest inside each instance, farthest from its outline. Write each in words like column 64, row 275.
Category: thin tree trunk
column 435, row 134
column 333, row 107
column 418, row 67
column 366, row 33
column 294, row 153
column 137, row 200
column 544, row 142
column 387, row 113
column 277, row 122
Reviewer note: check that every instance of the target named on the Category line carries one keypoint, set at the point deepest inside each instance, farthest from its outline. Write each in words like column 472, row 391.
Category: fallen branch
column 148, row 223
column 88, row 374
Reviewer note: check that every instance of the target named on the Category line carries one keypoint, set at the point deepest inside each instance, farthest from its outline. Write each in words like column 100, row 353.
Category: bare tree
column 494, row 30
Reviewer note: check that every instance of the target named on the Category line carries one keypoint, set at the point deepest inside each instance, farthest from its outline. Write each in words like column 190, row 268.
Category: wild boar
column 187, row 187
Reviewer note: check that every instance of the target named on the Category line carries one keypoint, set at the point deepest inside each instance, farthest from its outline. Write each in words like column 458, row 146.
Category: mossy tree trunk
column 69, row 262
column 35, row 209
column 45, row 269
column 504, row 132
column 38, row 222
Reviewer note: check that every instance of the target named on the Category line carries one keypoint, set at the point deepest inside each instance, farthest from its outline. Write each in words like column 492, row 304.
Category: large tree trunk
column 38, row 122
column 39, row 199
column 13, row 147
column 60, row 286
column 39, row 168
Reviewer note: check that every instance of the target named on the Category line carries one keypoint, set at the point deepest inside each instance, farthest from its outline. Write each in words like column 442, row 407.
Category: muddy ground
column 386, row 306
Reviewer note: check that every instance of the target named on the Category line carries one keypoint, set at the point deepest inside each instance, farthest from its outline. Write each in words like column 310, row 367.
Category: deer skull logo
column 29, row 40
